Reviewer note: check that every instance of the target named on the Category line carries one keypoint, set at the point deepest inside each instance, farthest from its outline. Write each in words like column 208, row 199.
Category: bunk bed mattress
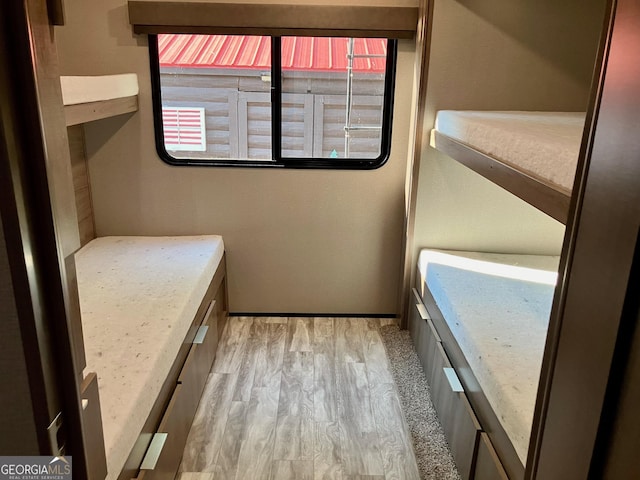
column 497, row 307
column 138, row 299
column 87, row 89
column 544, row 145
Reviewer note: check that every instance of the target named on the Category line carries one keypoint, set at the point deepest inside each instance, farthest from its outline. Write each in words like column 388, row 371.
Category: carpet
column 432, row 452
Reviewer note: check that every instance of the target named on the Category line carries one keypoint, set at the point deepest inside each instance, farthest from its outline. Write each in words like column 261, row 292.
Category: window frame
column 277, row 160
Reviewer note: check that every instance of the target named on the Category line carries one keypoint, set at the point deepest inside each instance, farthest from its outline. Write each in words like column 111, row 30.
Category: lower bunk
column 479, row 325
column 152, row 311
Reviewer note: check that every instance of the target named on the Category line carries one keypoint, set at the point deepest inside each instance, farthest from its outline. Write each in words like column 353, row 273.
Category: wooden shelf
column 88, row 112
column 545, row 196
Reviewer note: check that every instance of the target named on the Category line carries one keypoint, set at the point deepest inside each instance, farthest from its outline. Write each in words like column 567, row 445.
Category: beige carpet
column 429, row 443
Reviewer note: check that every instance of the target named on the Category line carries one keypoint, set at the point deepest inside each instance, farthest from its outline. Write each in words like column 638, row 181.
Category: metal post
column 347, row 126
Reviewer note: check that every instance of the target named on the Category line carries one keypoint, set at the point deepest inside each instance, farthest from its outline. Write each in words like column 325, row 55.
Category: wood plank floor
column 300, row 398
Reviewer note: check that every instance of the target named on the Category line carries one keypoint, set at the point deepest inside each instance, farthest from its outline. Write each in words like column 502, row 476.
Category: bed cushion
column 87, row 89
column 544, row 145
column 138, row 298
column 497, row 307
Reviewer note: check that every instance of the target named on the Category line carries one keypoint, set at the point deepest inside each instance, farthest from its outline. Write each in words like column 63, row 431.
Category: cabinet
column 424, row 336
column 164, row 454
column 458, row 420
column 470, row 446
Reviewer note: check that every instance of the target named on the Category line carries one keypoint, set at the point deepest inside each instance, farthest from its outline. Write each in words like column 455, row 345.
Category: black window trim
column 276, row 123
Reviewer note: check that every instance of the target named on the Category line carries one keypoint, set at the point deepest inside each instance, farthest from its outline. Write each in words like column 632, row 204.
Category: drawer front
column 433, row 351
column 488, row 465
column 221, row 307
column 206, row 341
column 424, row 337
column 441, row 393
column 456, row 415
column 165, row 452
column 92, row 427
column 197, row 366
column 193, row 377
column 415, row 327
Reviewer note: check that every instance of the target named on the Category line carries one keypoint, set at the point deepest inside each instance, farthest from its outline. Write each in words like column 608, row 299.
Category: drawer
column 221, row 307
column 424, row 335
column 92, row 428
column 434, row 345
column 206, row 339
column 415, row 326
column 194, row 374
column 488, row 465
column 164, row 454
column 441, row 393
column 455, row 413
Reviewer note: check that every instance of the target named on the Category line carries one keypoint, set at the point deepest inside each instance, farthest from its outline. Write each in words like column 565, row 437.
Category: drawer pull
column 153, row 452
column 454, row 381
column 200, row 334
column 424, row 314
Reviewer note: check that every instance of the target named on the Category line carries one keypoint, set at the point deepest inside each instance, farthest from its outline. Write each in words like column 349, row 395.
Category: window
column 299, row 102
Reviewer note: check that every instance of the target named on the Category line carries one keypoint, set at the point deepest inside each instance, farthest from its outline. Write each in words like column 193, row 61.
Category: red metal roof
column 253, row 52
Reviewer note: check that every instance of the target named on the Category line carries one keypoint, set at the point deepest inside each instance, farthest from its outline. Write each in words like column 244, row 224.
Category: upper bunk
column 89, row 98
column 531, row 154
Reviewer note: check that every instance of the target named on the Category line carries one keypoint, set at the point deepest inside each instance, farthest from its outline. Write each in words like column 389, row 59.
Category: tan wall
column 297, row 240
column 499, row 55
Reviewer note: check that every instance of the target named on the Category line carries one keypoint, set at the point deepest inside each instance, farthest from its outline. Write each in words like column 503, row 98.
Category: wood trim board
column 549, row 198
column 423, row 47
column 159, row 16
column 88, row 112
column 43, row 228
column 81, row 184
column 585, row 357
